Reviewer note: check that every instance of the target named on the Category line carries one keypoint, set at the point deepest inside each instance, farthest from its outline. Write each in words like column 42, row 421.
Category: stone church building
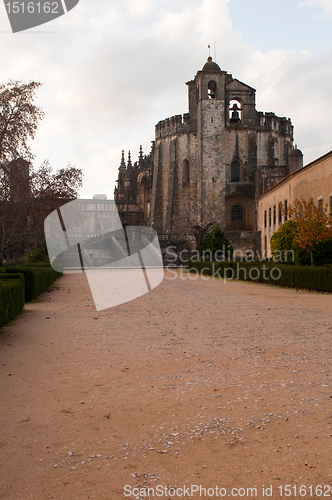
column 206, row 167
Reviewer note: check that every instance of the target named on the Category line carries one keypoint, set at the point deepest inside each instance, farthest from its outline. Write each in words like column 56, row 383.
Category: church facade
column 207, row 166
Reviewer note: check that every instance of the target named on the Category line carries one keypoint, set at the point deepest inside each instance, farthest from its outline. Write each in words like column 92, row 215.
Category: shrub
column 11, row 296
column 214, row 242
column 305, row 277
column 282, row 242
column 33, row 264
column 37, row 279
column 323, row 253
column 37, row 256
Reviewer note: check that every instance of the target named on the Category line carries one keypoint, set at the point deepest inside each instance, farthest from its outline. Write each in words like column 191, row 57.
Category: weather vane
column 209, row 50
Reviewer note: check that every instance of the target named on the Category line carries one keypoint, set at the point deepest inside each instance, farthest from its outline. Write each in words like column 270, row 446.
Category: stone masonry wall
column 213, row 160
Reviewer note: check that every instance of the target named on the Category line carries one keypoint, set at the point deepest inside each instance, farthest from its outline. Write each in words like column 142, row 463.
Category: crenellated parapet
column 270, row 121
column 178, row 124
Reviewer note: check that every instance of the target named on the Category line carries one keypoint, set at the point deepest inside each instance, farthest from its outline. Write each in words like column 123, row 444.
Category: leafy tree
column 283, row 247
column 312, row 225
column 27, row 195
column 216, row 243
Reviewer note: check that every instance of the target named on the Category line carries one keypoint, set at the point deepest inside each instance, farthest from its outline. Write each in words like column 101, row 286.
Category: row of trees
column 27, row 194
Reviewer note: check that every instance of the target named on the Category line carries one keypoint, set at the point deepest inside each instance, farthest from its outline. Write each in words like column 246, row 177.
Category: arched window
column 235, row 171
column 237, row 212
column 212, row 88
column 185, row 172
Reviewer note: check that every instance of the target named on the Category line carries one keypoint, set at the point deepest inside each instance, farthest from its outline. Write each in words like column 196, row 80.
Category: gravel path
column 196, row 383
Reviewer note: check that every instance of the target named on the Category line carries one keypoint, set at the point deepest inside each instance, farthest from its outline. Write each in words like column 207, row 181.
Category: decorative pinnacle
column 140, row 153
column 123, row 163
column 129, row 160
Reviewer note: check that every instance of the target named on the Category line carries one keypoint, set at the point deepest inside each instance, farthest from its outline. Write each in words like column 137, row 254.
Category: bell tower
column 207, row 105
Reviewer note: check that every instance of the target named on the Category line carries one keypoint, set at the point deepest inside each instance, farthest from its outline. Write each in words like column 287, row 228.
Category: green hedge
column 12, row 296
column 35, row 264
column 25, row 264
column 305, row 277
column 37, row 279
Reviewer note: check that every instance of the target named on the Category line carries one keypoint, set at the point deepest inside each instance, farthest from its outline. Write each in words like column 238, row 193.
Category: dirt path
column 196, row 383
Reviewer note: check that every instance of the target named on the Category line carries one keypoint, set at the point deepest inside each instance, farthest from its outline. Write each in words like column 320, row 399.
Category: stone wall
column 244, row 242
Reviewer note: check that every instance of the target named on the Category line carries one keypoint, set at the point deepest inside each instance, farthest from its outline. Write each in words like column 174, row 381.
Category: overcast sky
column 112, row 69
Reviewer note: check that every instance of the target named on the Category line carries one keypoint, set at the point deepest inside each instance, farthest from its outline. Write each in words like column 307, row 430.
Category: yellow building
column 312, row 181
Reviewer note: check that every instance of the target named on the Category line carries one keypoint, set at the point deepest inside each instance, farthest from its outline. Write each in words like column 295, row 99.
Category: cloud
column 296, row 86
column 326, row 5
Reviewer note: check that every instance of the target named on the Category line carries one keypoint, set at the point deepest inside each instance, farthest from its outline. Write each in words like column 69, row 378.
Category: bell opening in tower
column 235, row 112
column 212, row 87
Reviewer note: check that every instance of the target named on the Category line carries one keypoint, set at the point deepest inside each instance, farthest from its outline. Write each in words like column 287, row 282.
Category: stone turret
column 295, row 160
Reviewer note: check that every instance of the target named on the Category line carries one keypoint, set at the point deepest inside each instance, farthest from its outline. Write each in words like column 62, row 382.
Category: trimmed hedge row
column 33, row 264
column 37, row 279
column 305, row 277
column 12, row 295
column 20, row 283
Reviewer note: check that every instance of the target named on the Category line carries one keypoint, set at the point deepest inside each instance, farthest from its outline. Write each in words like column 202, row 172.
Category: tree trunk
column 312, row 256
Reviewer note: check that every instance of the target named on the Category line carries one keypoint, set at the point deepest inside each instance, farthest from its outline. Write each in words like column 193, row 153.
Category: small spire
column 123, row 163
column 129, row 165
column 140, row 157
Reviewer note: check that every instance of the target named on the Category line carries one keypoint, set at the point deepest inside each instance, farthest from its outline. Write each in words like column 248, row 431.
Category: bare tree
column 27, row 195
column 19, row 119
column 33, row 194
